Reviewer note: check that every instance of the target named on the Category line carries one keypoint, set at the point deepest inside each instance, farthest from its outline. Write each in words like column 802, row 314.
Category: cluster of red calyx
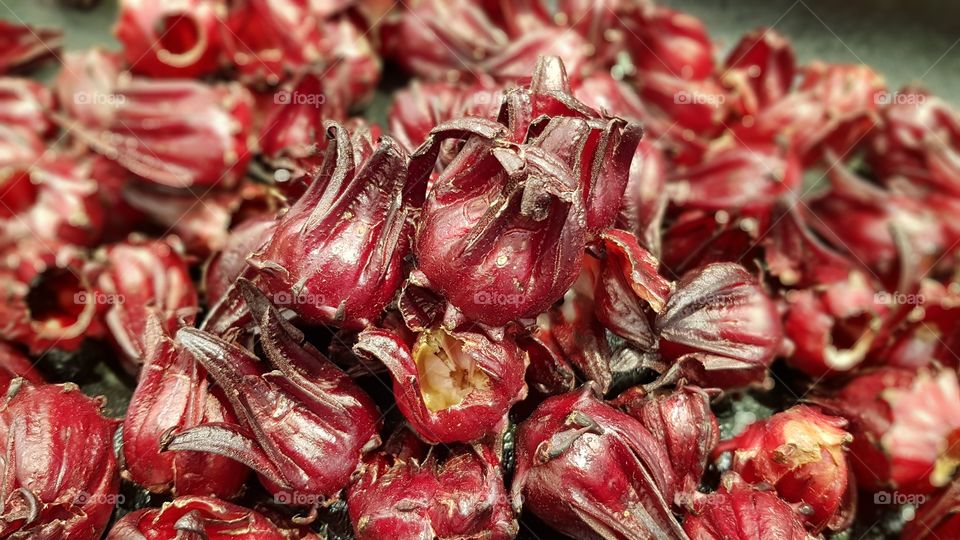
column 533, row 302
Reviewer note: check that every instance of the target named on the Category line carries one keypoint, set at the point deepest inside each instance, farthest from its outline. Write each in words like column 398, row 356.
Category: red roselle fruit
column 745, row 180
column 739, row 511
column 52, row 200
column 591, row 471
column 335, row 422
column 223, row 269
column 201, row 517
column 801, row 452
column 176, row 133
column 23, row 45
column 267, row 40
column 760, row 70
column 56, row 486
column 662, row 40
column 502, row 232
column 834, row 107
column 45, row 295
column 163, row 38
column 723, row 321
column 140, row 277
column 13, row 364
column 905, row 427
column 173, row 395
column 458, row 496
column 682, row 419
column 336, row 255
column 833, row 326
column 451, row 385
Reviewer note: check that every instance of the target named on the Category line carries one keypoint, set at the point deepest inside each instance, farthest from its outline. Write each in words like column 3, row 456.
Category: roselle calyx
column 460, row 495
column 203, row 517
column 904, row 426
column 801, row 452
column 13, row 364
column 140, row 277
column 335, row 420
column 739, row 511
column 591, row 471
column 172, row 395
column 336, row 255
column 682, row 418
column 452, row 385
column 56, row 486
column 171, row 39
column 721, row 319
column 502, row 231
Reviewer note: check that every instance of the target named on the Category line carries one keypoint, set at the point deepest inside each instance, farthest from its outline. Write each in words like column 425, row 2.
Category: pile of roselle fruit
column 589, row 277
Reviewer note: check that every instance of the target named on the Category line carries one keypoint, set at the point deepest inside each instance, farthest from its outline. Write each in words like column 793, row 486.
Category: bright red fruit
column 60, row 474
column 801, row 452
column 207, row 517
column 304, row 393
column 171, row 38
column 591, row 471
column 451, row 385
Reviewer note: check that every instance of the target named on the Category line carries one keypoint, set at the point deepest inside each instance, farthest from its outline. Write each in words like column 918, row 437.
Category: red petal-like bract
column 336, row 256
column 230, row 263
column 171, row 38
column 503, row 229
column 173, row 395
column 683, row 420
column 60, row 474
column 140, row 278
column 459, row 496
column 86, row 84
column 834, row 107
column 200, row 517
column 24, row 45
column 593, row 472
column 662, row 40
column 760, row 70
column 737, row 179
column 177, row 133
column 721, row 315
column 451, row 385
column 801, row 453
column 905, row 426
column 51, row 200
column 738, row 511
column 334, row 420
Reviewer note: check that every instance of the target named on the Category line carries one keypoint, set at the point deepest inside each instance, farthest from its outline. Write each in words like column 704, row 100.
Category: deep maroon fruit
column 195, row 517
column 591, row 471
column 59, row 470
column 801, row 452
column 334, row 420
